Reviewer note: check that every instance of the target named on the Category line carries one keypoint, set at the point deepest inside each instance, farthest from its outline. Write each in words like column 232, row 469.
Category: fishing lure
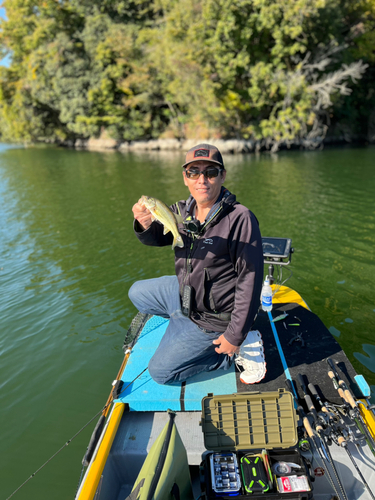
column 279, row 318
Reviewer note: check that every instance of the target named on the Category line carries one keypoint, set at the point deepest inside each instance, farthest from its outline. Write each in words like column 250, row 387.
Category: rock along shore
column 226, row 146
column 234, row 146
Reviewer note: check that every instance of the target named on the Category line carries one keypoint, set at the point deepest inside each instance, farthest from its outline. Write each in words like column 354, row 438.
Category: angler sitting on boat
column 212, row 301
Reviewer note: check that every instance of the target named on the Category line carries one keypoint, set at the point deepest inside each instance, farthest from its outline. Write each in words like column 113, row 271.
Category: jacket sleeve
column 153, row 236
column 246, row 252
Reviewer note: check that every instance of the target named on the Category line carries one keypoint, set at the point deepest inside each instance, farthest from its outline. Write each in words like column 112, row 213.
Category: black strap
column 223, row 316
column 116, row 391
column 182, row 396
column 175, row 491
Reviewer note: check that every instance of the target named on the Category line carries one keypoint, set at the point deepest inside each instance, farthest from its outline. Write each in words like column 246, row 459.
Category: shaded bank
column 229, row 146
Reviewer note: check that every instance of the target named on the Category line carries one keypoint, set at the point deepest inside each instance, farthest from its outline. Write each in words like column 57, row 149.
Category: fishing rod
column 336, row 415
column 326, row 407
column 310, row 405
column 324, row 437
column 339, row 439
column 313, row 438
column 75, row 435
column 353, row 410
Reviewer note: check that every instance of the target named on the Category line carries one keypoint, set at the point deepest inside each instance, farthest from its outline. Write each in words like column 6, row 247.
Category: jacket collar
column 223, row 196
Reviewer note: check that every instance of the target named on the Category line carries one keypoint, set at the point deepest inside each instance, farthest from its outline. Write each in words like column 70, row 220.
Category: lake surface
column 68, row 257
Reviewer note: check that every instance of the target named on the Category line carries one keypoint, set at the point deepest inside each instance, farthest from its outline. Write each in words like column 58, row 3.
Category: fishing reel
column 192, row 226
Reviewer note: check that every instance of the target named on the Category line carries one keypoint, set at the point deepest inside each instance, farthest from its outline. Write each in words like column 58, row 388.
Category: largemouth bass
column 165, row 216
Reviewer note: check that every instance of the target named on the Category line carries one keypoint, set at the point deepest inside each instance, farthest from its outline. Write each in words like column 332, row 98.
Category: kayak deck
column 146, row 395
column 305, row 355
column 146, row 402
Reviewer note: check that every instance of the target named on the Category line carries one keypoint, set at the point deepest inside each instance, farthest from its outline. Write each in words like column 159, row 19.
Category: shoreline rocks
column 232, row 146
column 229, row 146
column 226, row 146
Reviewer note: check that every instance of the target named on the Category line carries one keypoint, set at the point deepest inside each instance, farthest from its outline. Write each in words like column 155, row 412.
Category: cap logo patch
column 201, row 153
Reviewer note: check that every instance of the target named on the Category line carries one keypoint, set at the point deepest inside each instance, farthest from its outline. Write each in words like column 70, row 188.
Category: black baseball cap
column 204, row 152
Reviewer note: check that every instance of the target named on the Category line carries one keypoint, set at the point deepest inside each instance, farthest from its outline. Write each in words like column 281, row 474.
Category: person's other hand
column 142, row 214
column 225, row 347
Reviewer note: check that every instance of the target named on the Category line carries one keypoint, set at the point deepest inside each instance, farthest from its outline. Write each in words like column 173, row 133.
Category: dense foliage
column 278, row 71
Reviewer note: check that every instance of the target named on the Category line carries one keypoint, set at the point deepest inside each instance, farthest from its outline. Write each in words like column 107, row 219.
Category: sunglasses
column 209, row 173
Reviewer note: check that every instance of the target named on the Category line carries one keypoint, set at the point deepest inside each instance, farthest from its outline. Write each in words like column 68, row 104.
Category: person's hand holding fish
column 142, row 214
column 149, row 209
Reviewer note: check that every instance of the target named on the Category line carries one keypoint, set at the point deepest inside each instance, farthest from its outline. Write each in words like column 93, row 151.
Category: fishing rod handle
column 319, row 428
column 310, row 404
column 331, row 375
column 336, row 386
column 301, row 383
column 332, row 366
column 314, row 392
column 314, row 413
column 341, row 441
column 350, row 399
column 308, row 427
column 342, row 395
column 339, row 380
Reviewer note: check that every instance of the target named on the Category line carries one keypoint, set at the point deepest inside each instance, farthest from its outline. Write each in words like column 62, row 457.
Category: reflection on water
column 68, row 257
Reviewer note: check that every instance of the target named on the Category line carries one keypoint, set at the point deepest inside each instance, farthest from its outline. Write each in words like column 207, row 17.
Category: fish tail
column 177, row 242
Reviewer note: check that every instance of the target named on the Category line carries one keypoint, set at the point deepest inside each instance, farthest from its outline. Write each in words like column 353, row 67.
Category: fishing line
column 75, row 435
column 279, row 283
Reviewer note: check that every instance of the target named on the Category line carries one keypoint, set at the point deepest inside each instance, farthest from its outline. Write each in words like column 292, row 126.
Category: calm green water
column 68, row 257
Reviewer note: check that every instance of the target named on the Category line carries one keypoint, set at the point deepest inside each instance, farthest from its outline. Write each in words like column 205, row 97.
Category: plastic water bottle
column 266, row 296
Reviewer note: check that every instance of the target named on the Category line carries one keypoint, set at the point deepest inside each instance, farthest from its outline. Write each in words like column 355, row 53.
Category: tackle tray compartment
column 247, row 423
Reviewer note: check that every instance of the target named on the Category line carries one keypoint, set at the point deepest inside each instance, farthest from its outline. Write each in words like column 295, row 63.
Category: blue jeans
column 185, row 349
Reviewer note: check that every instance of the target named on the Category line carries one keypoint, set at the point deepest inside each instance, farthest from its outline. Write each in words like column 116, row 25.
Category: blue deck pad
column 146, row 395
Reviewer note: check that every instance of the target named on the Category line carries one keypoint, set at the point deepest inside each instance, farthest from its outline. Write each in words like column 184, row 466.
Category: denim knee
column 159, row 375
column 133, row 292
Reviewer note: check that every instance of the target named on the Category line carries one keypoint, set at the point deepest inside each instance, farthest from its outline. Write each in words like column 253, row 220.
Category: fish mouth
column 148, row 202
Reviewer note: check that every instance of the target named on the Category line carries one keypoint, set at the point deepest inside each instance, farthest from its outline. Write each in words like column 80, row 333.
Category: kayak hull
column 140, row 414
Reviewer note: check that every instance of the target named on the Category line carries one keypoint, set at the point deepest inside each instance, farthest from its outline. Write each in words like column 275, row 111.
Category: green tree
column 267, row 70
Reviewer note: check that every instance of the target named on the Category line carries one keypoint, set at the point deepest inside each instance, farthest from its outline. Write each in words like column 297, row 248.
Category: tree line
column 279, row 72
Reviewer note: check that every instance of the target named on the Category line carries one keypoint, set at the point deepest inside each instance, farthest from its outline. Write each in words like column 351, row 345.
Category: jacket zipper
column 194, row 238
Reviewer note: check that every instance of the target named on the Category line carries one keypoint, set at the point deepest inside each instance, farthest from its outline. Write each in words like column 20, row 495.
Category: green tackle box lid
column 249, row 420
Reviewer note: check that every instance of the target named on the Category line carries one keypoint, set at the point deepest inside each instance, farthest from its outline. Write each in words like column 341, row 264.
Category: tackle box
column 243, row 425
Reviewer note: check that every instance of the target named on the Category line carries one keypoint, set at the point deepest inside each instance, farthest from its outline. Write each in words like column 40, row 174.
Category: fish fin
column 178, row 242
column 179, row 218
column 165, row 230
